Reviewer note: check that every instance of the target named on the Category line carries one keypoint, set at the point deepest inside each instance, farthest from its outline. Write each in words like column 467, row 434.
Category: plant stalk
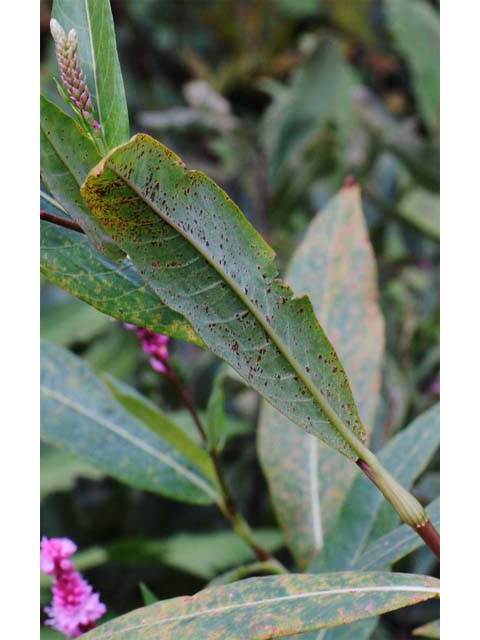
column 404, row 503
column 61, row 222
column 227, row 505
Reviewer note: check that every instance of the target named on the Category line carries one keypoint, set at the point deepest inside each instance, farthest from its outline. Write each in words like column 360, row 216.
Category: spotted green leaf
column 200, row 255
column 396, row 544
column 68, row 259
column 415, row 26
column 335, row 267
column 93, row 22
column 79, row 414
column 430, row 630
column 271, row 607
column 66, row 157
column 159, row 423
column 363, row 511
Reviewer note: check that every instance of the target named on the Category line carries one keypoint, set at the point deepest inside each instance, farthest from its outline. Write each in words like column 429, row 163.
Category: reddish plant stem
column 61, row 222
column 230, row 509
column 425, row 530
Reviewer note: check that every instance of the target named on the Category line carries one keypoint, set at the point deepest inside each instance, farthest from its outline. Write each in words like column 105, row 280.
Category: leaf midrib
column 325, row 406
column 297, row 596
column 117, row 430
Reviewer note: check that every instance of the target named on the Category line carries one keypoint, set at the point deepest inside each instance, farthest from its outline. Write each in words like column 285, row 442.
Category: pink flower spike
column 54, row 555
column 75, row 608
column 96, row 125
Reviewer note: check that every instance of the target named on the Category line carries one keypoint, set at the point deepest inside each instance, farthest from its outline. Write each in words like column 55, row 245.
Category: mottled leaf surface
column 201, row 256
column 93, row 22
column 271, row 607
column 406, row 455
column 396, row 544
column 335, row 267
column 66, row 157
column 80, row 415
column 68, row 259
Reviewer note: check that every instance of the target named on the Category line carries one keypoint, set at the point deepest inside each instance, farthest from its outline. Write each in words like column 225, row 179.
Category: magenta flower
column 155, row 345
column 75, row 608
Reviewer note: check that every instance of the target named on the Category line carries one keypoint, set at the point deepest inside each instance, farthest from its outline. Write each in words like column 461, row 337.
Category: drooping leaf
column 93, row 22
column 395, row 545
column 66, row 157
column 202, row 257
column 335, row 267
column 271, row 607
column 80, row 415
column 416, row 28
column 70, row 261
column 159, row 423
column 422, row 209
column 430, row 630
column 405, row 456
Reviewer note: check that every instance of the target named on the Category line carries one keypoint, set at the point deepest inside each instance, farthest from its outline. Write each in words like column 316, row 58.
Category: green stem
column 227, row 505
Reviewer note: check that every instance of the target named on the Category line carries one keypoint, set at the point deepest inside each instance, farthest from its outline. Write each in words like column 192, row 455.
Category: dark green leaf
column 70, row 261
column 271, row 607
column 80, row 415
column 93, row 22
column 66, row 156
column 202, row 257
column 335, row 267
column 416, row 27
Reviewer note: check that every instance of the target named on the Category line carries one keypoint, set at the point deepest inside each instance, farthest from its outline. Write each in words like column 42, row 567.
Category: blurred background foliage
column 278, row 101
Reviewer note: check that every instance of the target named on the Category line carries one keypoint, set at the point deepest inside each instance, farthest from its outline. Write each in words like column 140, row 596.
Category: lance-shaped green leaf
column 335, row 267
column 93, row 22
column 416, row 28
column 271, row 607
column 405, row 456
column 197, row 251
column 430, row 630
column 80, row 415
column 66, row 157
column 159, row 423
column 68, row 259
column 395, row 545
